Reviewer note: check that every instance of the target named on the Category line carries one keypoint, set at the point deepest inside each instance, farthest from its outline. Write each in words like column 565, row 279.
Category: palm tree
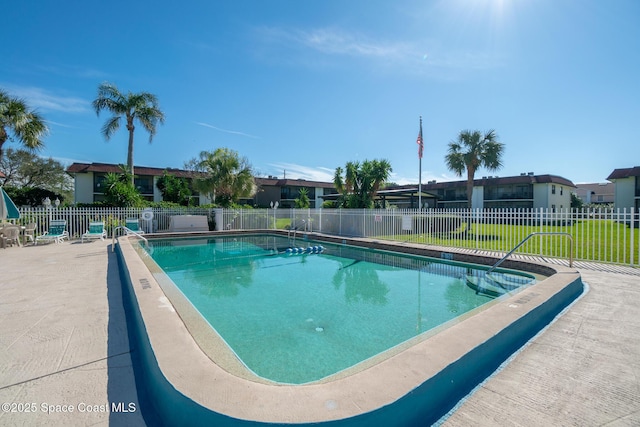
column 471, row 151
column 302, row 201
column 361, row 182
column 26, row 125
column 228, row 177
column 142, row 107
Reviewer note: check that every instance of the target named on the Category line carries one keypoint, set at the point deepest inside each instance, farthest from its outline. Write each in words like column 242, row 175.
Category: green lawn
column 596, row 240
column 282, row 223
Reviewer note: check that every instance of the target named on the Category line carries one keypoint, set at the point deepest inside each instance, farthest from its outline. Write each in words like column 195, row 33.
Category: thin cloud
column 343, row 43
column 426, row 177
column 423, row 56
column 233, row 132
column 295, row 171
column 61, row 124
column 76, row 71
column 43, row 99
column 333, row 41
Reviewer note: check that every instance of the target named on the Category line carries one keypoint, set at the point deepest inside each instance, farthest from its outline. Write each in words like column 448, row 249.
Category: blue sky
column 306, row 86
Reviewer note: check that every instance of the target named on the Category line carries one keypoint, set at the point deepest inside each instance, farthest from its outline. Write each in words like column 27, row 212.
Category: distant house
column 525, row 191
column 596, row 193
column 284, row 191
column 89, row 181
column 627, row 187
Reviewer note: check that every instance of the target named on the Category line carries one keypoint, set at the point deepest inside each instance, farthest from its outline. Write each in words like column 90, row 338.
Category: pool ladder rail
column 295, row 230
column 127, row 231
column 495, row 286
column 537, row 233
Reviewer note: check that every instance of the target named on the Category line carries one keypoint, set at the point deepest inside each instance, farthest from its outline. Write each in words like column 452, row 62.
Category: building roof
column 486, row 181
column 624, row 173
column 138, row 170
column 596, row 187
column 405, row 192
column 276, row 182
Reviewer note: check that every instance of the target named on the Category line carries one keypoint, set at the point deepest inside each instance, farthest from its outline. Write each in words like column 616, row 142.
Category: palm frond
column 110, row 127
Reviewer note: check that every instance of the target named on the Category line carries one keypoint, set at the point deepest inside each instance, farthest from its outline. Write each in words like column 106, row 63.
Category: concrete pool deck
column 65, row 348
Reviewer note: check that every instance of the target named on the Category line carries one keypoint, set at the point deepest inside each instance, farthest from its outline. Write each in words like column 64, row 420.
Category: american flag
column 420, row 142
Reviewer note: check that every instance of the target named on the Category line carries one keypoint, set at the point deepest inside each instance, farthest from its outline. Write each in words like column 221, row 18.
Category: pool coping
column 423, row 381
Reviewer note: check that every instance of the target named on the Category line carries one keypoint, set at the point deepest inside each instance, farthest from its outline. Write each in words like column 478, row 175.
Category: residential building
column 627, row 187
column 89, row 185
column 284, row 191
column 598, row 193
column 89, row 181
column 525, row 191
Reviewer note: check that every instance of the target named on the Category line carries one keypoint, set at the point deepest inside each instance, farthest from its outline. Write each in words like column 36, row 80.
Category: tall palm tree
column 471, row 151
column 142, row 107
column 26, row 125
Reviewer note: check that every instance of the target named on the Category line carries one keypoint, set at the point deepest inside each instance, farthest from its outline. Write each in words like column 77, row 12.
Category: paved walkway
column 65, row 357
column 64, row 353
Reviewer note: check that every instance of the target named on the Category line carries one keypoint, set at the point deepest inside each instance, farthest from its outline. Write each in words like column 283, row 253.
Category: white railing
column 78, row 218
column 602, row 235
column 599, row 235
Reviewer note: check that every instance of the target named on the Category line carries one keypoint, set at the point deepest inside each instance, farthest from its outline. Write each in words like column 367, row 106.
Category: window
column 561, row 191
column 98, row 183
column 144, row 184
column 553, row 189
column 291, row 193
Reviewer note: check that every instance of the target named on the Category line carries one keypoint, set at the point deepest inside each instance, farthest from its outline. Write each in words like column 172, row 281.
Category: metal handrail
column 530, row 236
column 127, row 231
column 295, row 230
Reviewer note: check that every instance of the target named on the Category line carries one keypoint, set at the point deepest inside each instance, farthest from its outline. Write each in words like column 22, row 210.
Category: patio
column 65, row 357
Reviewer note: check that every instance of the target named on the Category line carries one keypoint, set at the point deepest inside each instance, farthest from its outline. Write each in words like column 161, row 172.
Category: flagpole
column 420, row 148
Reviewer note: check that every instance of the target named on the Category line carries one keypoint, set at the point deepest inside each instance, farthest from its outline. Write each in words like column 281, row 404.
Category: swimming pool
column 301, row 313
column 183, row 377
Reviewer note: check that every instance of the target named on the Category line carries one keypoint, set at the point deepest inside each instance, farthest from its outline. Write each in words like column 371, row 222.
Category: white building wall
column 204, row 199
column 477, row 197
column 544, row 197
column 319, row 200
column 624, row 192
column 157, row 194
column 83, row 188
column 562, row 197
column 541, row 196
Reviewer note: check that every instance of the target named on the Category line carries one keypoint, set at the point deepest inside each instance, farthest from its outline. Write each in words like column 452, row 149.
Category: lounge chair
column 133, row 225
column 96, row 231
column 57, row 232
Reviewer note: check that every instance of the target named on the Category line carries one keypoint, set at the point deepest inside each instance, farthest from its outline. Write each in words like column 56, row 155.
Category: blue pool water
column 298, row 318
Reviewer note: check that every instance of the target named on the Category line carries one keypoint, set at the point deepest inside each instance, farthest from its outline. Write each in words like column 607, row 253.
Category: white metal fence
column 78, row 218
column 598, row 235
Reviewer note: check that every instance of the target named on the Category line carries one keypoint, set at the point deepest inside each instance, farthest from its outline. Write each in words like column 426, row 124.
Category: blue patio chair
column 96, row 231
column 57, row 232
column 133, row 225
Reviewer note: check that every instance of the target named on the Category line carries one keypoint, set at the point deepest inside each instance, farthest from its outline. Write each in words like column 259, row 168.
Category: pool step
column 492, row 285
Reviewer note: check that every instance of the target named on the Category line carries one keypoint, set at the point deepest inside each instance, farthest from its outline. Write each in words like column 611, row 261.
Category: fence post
column 633, row 232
